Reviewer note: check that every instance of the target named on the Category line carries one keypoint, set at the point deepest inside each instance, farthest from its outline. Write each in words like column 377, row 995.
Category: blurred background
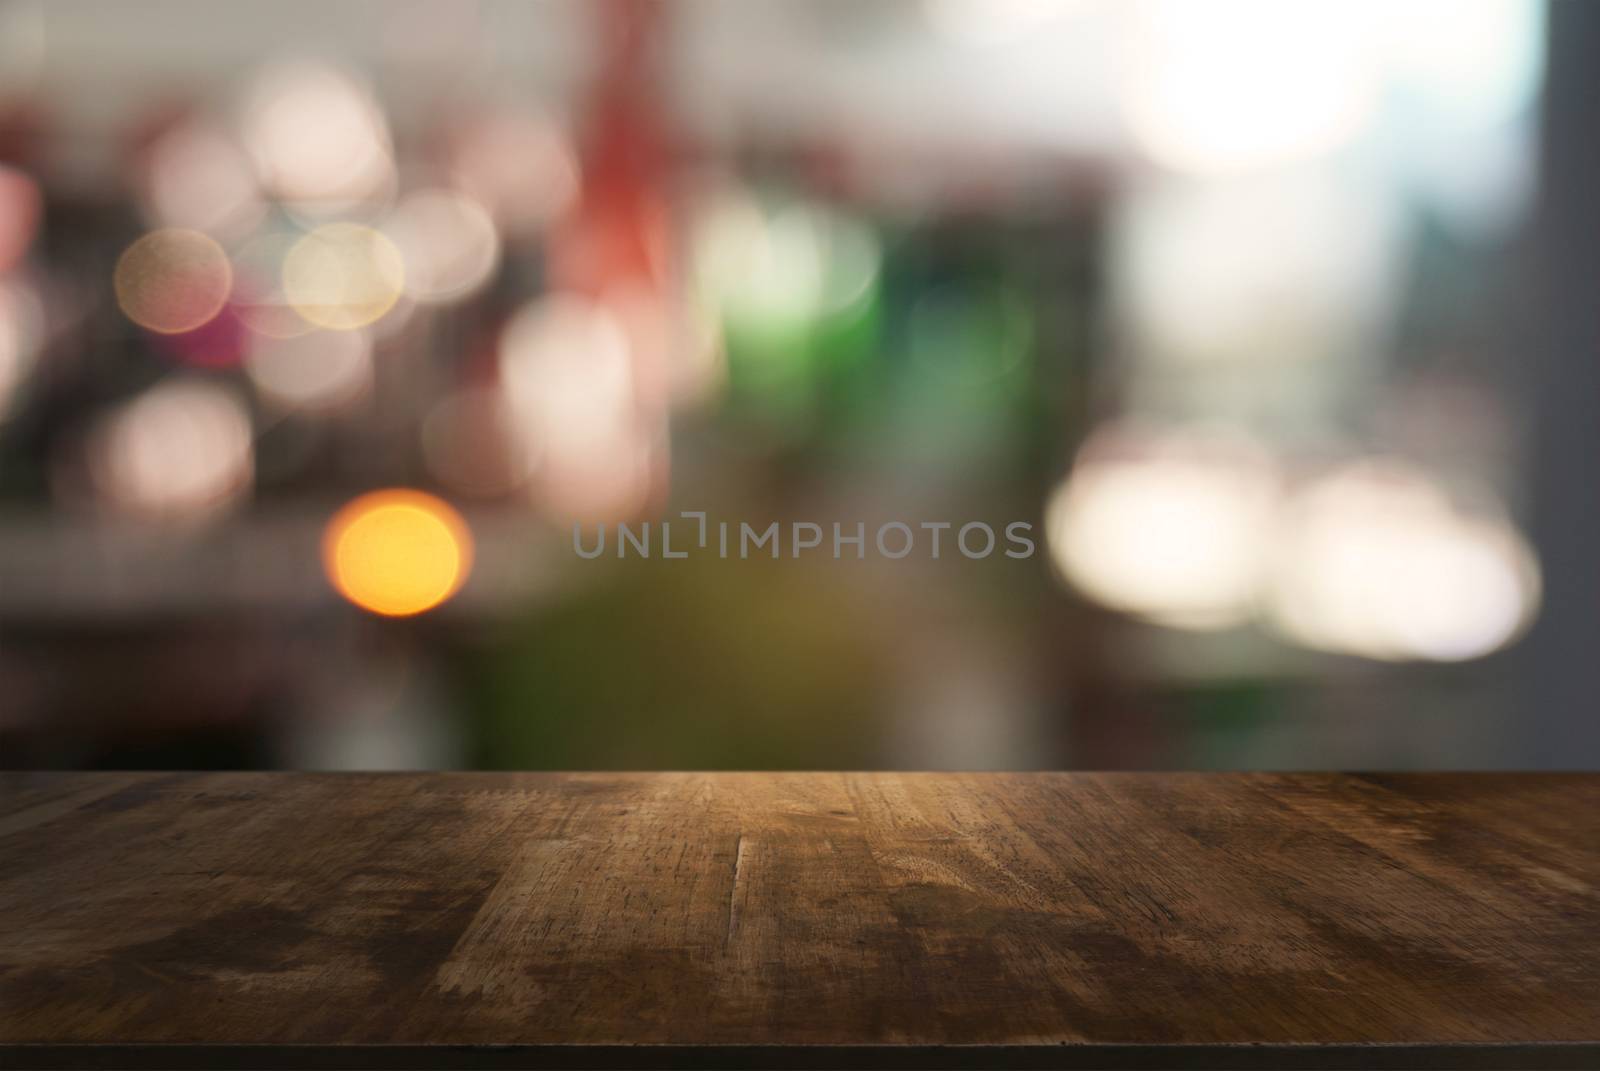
column 321, row 323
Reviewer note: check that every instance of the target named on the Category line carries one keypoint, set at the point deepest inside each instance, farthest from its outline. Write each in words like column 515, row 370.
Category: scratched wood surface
column 1073, row 920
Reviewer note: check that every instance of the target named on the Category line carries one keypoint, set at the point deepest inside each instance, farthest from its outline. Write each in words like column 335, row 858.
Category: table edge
column 1072, row 1056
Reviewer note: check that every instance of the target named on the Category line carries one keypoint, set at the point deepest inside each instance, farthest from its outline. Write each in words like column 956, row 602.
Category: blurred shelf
column 56, row 569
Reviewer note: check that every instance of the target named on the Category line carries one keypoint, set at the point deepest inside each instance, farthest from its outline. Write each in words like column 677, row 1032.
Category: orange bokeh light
column 397, row 552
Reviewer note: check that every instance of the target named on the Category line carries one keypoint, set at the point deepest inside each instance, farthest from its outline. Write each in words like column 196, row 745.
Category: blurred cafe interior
column 324, row 322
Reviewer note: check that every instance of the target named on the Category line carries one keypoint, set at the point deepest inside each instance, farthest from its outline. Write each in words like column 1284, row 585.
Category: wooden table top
column 800, row 920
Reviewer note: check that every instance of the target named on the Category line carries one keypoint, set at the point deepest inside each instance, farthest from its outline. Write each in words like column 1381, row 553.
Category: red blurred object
column 620, row 234
column 218, row 343
column 20, row 208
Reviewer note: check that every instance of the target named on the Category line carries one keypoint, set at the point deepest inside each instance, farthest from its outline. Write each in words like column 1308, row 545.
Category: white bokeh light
column 1174, row 528
column 448, row 242
column 319, row 139
column 1375, row 561
column 1230, row 85
column 182, row 449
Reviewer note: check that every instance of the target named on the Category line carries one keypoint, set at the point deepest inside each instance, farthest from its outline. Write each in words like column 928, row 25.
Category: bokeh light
column 1175, row 528
column 319, row 139
column 791, row 264
column 520, row 166
column 1232, row 85
column 182, row 449
column 1377, row 561
column 397, row 552
column 198, row 178
column 343, row 276
column 172, row 280
column 568, row 372
column 447, row 241
column 317, row 371
column 566, row 366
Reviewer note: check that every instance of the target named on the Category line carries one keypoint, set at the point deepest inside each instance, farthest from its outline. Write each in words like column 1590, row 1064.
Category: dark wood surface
column 788, row 920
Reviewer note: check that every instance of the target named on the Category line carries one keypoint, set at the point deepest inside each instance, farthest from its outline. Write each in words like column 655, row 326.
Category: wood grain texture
column 684, row 919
